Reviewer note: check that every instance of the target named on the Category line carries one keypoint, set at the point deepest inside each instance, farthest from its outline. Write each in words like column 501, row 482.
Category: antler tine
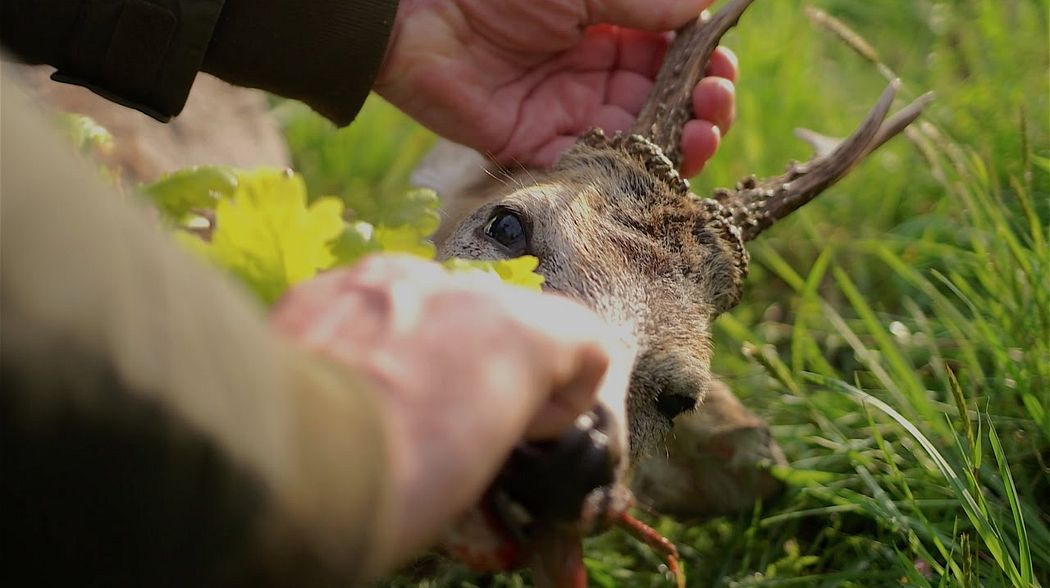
column 670, row 105
column 755, row 206
column 823, row 145
column 822, row 172
column 900, row 121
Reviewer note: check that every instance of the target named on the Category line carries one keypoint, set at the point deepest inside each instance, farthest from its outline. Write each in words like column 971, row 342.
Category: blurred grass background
column 894, row 333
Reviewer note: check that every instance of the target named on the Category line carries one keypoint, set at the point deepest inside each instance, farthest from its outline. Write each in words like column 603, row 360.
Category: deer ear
column 721, row 266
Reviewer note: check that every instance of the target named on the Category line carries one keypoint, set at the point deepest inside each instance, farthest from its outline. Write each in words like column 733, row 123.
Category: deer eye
column 507, row 229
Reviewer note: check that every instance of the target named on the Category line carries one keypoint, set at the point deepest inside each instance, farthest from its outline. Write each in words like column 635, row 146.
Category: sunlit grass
column 896, row 334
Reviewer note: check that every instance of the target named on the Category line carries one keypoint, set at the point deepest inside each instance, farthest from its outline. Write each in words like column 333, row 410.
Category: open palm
column 520, row 79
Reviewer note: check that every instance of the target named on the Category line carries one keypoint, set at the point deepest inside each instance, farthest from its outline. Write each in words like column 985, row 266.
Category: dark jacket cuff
column 140, row 53
column 326, row 54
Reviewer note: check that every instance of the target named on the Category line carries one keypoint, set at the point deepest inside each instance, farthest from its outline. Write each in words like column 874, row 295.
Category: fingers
column 317, row 313
column 654, row 15
column 545, row 156
column 700, row 140
column 568, row 344
column 577, row 394
column 628, row 90
column 575, row 390
column 714, row 100
column 462, row 365
column 564, row 356
column 714, row 106
column 612, row 119
column 549, row 347
column 723, row 64
column 639, row 51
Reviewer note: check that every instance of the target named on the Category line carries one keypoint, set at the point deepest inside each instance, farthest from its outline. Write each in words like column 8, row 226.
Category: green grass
column 896, row 333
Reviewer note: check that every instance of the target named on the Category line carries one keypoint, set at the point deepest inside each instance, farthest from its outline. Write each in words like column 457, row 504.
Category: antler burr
column 669, row 105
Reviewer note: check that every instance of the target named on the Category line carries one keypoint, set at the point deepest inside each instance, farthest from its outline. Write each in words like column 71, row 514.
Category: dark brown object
column 145, row 54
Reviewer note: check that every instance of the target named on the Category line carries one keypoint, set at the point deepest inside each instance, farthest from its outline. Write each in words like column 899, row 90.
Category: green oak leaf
column 360, row 238
column 410, row 239
column 356, row 241
column 180, row 192
column 415, row 208
column 87, row 135
column 267, row 236
column 520, row 271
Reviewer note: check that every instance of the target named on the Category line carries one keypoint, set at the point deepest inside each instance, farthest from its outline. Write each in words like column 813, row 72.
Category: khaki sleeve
column 153, row 429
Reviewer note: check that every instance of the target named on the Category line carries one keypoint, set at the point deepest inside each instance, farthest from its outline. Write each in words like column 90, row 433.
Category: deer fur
column 591, row 248
column 636, row 260
column 615, row 227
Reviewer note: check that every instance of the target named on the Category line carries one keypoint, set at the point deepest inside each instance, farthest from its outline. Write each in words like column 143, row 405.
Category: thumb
column 574, row 392
column 654, row 15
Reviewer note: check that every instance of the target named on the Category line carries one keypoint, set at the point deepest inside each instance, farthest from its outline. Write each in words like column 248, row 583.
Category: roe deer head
column 614, row 226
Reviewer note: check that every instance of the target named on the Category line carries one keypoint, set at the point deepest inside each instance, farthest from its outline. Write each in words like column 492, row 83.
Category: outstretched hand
column 519, row 81
column 463, row 367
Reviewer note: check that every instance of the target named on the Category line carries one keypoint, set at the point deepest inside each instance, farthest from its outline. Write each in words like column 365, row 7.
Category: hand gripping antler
column 740, row 215
column 755, row 204
column 670, row 103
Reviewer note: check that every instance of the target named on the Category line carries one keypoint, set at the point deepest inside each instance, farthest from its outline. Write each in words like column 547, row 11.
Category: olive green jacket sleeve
column 145, row 53
column 154, row 431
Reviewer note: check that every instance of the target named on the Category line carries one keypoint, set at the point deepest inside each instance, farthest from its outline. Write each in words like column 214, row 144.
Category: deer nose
column 671, row 405
column 550, row 479
column 674, row 378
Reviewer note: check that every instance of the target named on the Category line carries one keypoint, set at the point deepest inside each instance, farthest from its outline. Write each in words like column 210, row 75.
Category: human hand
column 463, row 367
column 518, row 80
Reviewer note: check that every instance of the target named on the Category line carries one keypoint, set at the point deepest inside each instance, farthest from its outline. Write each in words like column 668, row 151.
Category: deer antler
column 670, row 104
column 756, row 204
column 656, row 136
column 739, row 215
